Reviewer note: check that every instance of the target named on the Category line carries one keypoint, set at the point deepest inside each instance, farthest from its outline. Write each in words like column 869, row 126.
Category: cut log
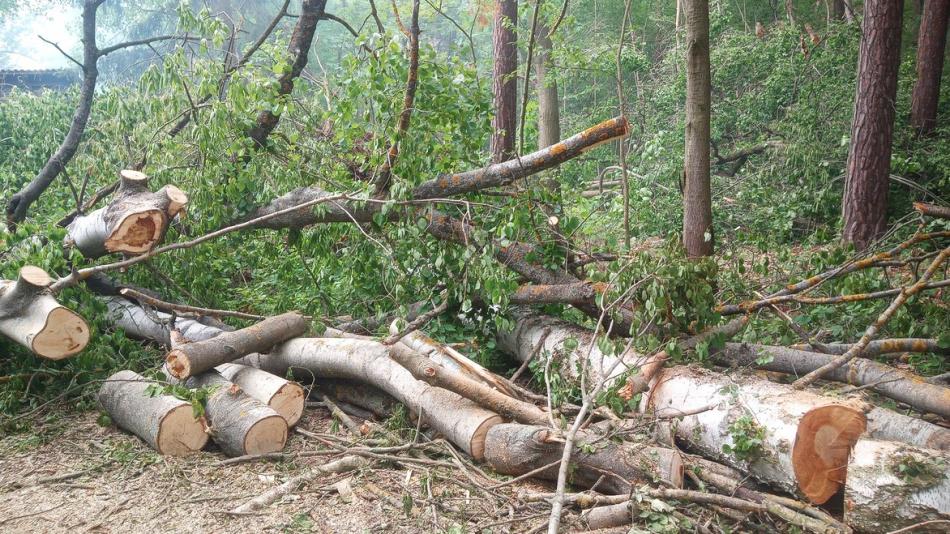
column 453, row 360
column 166, row 423
column 460, row 420
column 31, row 316
column 283, row 396
column 456, row 381
column 538, row 334
column 195, row 358
column 240, row 424
column 154, row 325
column 882, row 346
column 514, row 449
column 891, row 486
column 888, row 425
column 134, row 222
column 801, row 440
column 881, row 378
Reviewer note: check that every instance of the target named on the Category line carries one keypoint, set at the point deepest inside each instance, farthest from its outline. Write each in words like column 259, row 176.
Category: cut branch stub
column 134, row 222
column 822, row 446
column 31, row 316
column 194, row 358
column 166, row 423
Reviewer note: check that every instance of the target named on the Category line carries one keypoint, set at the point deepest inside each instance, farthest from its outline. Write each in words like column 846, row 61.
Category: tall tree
column 931, row 44
column 549, row 111
column 869, row 160
column 697, row 201
column 841, row 10
column 504, row 79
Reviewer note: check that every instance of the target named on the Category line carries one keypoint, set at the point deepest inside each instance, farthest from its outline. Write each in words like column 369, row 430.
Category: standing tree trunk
column 697, row 203
column 790, row 11
column 872, row 129
column 931, row 45
column 504, row 79
column 549, row 113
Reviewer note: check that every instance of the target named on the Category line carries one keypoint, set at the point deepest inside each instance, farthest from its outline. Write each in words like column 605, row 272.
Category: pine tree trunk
column 869, row 160
column 931, row 45
column 549, row 113
column 697, row 204
column 504, row 79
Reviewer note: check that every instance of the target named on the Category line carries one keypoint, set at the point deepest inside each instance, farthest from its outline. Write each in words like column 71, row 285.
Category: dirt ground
column 72, row 475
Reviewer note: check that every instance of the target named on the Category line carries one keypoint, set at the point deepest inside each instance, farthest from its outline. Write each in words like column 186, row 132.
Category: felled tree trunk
column 166, row 423
column 460, row 420
column 154, row 325
column 888, row 425
column 281, row 395
column 795, row 440
column 453, row 360
column 535, row 335
column 194, row 358
column 134, row 222
column 884, row 379
column 360, row 395
column 240, row 424
column 31, row 316
column 891, row 486
column 514, row 449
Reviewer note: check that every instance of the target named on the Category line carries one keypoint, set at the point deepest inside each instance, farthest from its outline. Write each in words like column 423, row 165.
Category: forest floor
column 72, row 475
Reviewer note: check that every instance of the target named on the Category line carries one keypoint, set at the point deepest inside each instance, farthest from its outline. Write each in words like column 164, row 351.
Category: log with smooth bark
column 460, row 420
column 31, row 316
column 134, row 222
column 538, row 334
column 454, row 360
column 881, row 346
column 884, row 379
column 240, row 424
column 891, row 486
column 436, row 375
column 154, row 325
column 166, row 423
column 804, row 438
column 283, row 396
column 194, row 358
column 515, row 449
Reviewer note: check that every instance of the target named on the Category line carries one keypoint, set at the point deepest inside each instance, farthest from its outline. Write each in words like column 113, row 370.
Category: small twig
column 169, row 306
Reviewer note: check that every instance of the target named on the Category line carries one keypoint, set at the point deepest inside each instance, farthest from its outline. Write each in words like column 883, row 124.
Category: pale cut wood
column 166, row 423
column 515, row 449
column 715, row 402
column 32, row 317
column 460, row 420
column 240, row 424
column 879, row 497
column 134, row 222
column 195, row 358
column 283, row 396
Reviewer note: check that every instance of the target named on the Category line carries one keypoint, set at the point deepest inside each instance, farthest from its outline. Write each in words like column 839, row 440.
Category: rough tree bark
column 514, row 449
column 931, row 44
column 311, row 11
column 864, row 206
column 134, row 222
column 166, row 423
column 192, row 359
column 549, row 111
column 805, row 438
column 504, row 79
column 697, row 202
column 31, row 316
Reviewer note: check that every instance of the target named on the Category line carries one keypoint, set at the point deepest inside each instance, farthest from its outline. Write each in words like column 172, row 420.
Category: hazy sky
column 20, row 48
